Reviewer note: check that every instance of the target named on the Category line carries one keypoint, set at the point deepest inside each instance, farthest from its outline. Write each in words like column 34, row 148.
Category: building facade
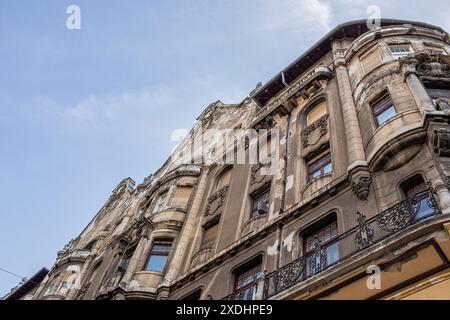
column 349, row 196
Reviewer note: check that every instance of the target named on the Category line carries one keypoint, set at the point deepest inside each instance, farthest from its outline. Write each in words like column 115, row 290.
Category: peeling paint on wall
column 288, row 241
column 289, row 182
column 273, row 249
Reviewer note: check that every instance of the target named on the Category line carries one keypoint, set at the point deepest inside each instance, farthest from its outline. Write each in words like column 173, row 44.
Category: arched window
column 224, row 179
column 415, row 189
column 317, row 112
column 319, row 245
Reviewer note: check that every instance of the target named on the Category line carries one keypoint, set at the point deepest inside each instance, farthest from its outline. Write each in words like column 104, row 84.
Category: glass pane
column 386, row 115
column 424, row 209
column 156, row 263
column 332, row 253
column 328, row 168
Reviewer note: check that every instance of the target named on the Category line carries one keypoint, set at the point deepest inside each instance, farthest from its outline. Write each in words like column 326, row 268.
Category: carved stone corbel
column 361, row 185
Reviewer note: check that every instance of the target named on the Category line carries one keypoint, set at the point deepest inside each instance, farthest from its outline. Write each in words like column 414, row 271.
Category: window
column 160, row 202
column 181, row 196
column 224, row 179
column 383, row 109
column 435, row 93
column 320, row 165
column 323, row 234
column 158, row 256
column 436, row 51
column 370, row 60
column 209, row 235
column 414, row 188
column 260, row 204
column 400, row 51
column 245, row 279
column 316, row 113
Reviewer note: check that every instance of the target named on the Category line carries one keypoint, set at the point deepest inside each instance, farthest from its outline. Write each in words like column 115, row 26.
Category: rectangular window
column 320, row 165
column 158, row 256
column 370, row 60
column 260, row 204
column 383, row 109
column 400, row 51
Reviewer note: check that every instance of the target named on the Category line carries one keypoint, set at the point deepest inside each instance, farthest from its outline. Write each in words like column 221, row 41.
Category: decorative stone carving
column 441, row 143
column 320, row 128
column 443, row 104
column 427, row 66
column 361, row 186
column 364, row 235
column 215, row 202
column 318, row 258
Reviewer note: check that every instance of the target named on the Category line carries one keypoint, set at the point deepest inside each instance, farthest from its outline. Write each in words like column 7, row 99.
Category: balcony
column 365, row 234
column 245, row 293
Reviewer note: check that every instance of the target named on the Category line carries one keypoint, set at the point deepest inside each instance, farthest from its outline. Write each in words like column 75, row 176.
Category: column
column 443, row 195
column 358, row 171
column 355, row 147
column 418, row 91
column 190, row 226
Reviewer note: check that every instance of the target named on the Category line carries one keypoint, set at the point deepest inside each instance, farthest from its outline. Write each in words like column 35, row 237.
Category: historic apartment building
column 359, row 179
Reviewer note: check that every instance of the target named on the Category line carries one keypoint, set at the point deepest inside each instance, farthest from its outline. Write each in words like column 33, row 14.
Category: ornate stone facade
column 356, row 175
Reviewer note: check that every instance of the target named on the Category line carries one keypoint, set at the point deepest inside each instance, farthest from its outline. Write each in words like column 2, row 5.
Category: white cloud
column 297, row 14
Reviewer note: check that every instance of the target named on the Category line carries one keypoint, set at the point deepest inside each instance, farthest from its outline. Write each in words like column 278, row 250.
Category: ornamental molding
column 428, row 67
column 364, row 234
column 322, row 125
column 361, row 186
column 441, row 143
column 215, row 202
column 305, row 86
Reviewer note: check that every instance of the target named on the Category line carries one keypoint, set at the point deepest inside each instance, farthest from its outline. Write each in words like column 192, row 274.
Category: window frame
column 265, row 192
column 399, row 55
column 315, row 229
column 252, row 265
column 319, row 163
column 159, row 254
column 388, row 104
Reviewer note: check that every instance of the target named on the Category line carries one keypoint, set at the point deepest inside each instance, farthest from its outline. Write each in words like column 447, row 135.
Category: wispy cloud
column 297, row 14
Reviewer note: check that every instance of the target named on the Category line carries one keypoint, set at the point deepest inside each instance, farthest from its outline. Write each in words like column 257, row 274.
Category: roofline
column 333, row 35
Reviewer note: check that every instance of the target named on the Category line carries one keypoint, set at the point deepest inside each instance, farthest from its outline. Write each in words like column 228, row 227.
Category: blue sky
column 82, row 109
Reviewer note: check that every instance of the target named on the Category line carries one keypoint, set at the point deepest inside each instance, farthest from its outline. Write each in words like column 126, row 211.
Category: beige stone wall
column 178, row 202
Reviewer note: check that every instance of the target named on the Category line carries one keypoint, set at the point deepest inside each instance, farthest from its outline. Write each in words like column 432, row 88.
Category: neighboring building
column 362, row 154
column 27, row 287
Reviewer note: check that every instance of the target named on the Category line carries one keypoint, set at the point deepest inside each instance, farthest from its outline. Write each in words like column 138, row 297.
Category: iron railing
column 245, row 293
column 365, row 234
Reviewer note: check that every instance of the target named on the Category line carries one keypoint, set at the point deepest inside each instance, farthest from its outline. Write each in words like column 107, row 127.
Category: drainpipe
column 280, row 244
column 283, row 80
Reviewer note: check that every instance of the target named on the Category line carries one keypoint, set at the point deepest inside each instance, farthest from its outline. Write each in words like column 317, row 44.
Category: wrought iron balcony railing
column 246, row 293
column 365, row 234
